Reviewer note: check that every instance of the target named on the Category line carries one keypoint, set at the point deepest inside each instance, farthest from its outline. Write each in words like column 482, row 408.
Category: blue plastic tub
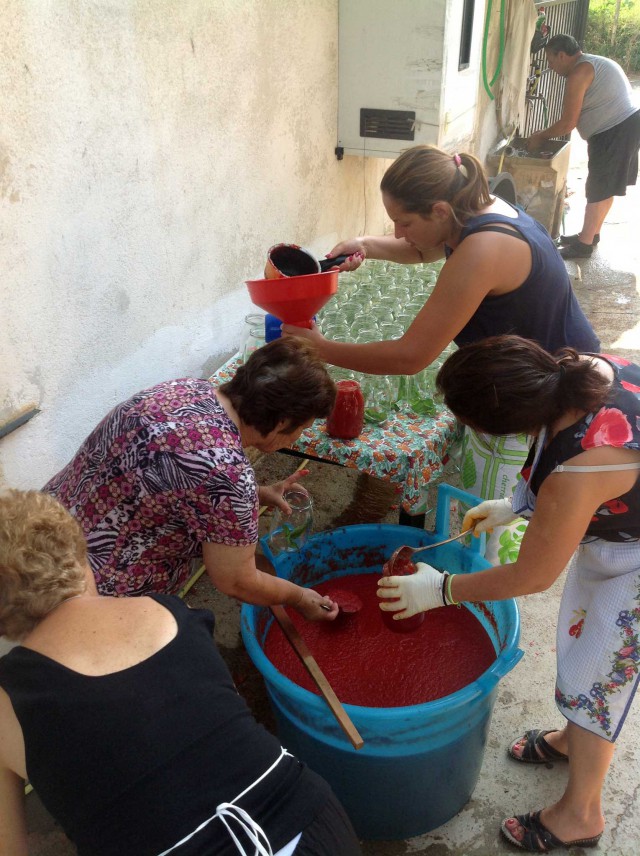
column 419, row 764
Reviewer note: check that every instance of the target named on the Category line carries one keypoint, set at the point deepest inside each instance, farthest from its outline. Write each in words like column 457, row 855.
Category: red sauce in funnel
column 369, row 665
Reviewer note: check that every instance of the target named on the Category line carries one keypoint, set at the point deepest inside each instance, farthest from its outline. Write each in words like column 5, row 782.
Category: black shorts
column 613, row 160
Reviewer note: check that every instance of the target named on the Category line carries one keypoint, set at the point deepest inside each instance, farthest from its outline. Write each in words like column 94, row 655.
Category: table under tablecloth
column 407, row 449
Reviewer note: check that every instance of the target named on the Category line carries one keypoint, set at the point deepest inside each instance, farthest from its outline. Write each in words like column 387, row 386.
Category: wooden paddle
column 309, row 662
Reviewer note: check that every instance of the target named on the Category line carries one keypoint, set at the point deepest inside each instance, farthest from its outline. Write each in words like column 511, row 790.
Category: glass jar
column 401, row 568
column 337, row 373
column 338, row 331
column 405, row 320
column 387, row 302
column 420, row 396
column 414, row 306
column 254, row 340
column 364, row 329
column 253, row 321
column 290, row 532
column 329, row 316
column 390, row 330
column 379, row 398
column 346, row 420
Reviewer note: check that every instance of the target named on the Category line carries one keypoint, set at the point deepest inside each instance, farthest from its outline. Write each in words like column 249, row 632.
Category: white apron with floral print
column 597, row 635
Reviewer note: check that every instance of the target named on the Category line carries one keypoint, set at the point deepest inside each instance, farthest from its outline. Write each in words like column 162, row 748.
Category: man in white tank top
column 598, row 101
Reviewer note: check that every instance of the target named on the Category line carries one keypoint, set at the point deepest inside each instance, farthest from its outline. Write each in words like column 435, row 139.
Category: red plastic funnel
column 294, row 299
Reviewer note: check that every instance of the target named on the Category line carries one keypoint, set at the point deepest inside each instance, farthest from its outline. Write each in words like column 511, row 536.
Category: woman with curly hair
column 125, row 718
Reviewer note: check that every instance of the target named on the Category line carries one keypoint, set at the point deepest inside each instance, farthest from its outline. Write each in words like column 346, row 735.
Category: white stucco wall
column 496, row 120
column 460, row 87
column 150, row 153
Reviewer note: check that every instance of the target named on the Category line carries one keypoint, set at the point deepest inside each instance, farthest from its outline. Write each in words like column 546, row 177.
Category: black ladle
column 327, row 264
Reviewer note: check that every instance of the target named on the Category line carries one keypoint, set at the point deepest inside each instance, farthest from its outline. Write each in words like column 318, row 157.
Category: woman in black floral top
column 580, row 487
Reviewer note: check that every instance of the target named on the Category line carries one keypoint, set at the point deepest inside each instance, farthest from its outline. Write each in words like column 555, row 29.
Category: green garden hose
column 489, row 83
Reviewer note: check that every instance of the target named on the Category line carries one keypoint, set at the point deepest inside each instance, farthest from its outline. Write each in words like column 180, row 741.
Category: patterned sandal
column 537, row 838
column 536, row 750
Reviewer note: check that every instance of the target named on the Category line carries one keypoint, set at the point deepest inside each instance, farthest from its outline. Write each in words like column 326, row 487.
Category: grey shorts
column 613, row 160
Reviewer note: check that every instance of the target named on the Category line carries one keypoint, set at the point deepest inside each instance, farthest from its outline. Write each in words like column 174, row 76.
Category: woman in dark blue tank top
column 502, row 275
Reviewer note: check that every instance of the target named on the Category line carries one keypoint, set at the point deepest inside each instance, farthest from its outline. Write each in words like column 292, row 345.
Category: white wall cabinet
column 401, row 80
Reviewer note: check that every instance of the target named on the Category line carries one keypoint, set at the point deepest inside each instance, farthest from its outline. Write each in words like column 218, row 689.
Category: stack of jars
column 379, row 301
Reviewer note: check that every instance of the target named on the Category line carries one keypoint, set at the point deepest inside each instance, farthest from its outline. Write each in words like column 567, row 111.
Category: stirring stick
column 308, row 661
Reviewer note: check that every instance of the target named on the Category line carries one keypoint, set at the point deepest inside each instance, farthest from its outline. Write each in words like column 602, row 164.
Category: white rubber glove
column 415, row 592
column 490, row 513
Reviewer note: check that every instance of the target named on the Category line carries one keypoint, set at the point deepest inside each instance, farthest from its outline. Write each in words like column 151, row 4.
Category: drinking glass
column 432, row 372
column 290, row 532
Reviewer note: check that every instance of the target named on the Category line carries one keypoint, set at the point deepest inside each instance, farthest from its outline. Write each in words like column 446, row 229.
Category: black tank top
column 129, row 763
column 544, row 308
column 616, row 424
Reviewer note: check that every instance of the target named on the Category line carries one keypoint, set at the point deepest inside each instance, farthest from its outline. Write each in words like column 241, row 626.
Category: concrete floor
column 606, row 286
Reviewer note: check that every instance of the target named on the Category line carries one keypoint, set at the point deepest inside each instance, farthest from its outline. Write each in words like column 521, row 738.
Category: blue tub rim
column 506, row 659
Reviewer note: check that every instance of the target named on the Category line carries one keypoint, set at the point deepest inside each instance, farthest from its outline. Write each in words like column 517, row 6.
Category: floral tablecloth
column 407, row 450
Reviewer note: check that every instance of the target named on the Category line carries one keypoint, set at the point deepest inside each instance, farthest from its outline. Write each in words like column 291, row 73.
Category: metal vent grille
column 387, row 124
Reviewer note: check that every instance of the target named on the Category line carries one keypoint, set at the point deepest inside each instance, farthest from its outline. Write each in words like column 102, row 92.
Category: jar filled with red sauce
column 401, row 568
column 347, row 417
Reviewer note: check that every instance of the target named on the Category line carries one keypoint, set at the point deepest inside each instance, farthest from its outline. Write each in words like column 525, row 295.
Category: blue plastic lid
column 272, row 327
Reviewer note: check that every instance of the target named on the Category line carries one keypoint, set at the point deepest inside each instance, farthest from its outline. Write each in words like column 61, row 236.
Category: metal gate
column 545, row 89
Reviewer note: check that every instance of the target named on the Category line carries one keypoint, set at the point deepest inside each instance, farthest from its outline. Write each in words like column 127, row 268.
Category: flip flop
column 538, row 839
column 536, row 750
